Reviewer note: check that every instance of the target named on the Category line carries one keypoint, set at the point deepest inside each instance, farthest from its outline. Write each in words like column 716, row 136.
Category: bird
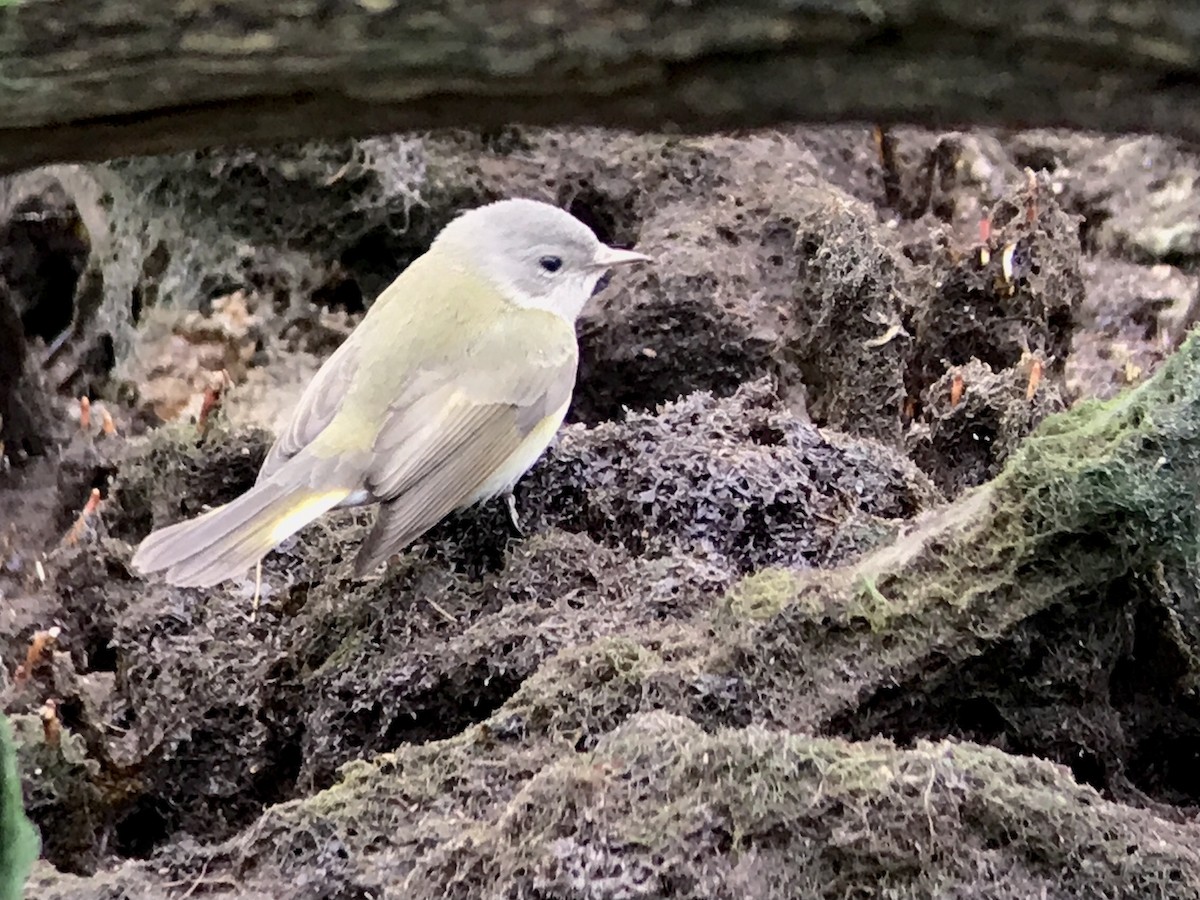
column 449, row 389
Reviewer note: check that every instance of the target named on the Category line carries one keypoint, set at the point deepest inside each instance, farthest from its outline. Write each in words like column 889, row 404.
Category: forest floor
column 757, row 635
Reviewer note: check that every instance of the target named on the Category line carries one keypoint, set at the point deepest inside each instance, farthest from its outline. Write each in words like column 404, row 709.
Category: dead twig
column 77, row 531
column 1035, row 378
column 51, row 723
column 41, row 645
column 212, row 402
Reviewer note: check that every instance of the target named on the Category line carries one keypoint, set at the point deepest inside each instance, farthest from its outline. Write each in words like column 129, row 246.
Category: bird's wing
column 317, row 406
column 426, row 294
column 434, row 455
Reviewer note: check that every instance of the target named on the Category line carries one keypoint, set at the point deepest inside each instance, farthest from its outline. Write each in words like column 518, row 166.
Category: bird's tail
column 227, row 541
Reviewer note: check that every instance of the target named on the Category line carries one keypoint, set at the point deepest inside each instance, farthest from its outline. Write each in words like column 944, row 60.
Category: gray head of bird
column 535, row 254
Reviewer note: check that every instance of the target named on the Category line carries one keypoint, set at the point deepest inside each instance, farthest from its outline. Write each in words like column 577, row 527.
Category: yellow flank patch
column 306, row 509
column 523, row 457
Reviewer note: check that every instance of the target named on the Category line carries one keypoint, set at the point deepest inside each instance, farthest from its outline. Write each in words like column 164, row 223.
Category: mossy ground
column 811, row 599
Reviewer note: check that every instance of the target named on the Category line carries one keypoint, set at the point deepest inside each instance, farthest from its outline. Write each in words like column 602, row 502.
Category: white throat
column 566, row 299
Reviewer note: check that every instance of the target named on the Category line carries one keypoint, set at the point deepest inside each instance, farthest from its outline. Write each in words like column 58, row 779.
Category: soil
column 848, row 576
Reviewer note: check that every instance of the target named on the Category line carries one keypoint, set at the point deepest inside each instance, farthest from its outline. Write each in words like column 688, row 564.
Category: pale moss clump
column 585, row 690
column 813, row 596
column 629, row 661
column 842, row 597
column 763, row 594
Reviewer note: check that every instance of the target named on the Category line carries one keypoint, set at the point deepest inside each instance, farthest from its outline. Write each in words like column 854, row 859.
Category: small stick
column 211, row 402
column 51, row 724
column 1035, row 378
column 257, row 590
column 445, row 615
column 885, row 147
column 40, row 647
column 1031, row 206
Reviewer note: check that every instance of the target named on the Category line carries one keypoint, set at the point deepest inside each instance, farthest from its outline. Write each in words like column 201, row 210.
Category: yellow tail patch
column 303, row 511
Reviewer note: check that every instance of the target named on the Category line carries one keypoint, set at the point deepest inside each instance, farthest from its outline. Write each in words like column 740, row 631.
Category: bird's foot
column 257, row 591
column 510, row 500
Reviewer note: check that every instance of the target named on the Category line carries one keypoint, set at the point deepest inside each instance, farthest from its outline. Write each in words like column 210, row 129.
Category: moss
column 566, row 712
column 963, row 444
column 741, row 481
column 1124, row 469
column 529, row 651
column 62, row 792
column 762, row 594
column 585, row 691
column 661, row 808
column 1104, row 488
column 851, row 288
column 1098, row 497
column 175, row 472
column 870, row 605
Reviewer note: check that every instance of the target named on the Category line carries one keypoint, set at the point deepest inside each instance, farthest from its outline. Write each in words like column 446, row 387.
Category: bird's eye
column 550, row 263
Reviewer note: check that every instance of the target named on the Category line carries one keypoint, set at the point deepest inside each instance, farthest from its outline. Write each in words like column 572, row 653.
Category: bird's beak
column 606, row 257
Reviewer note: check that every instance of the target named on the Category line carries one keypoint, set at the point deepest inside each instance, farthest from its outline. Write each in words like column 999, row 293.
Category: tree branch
column 92, row 79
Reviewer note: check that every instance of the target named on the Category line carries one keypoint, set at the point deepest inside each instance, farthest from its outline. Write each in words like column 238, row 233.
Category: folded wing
column 433, row 456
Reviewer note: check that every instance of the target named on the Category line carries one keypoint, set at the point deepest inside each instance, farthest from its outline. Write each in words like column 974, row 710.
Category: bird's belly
column 522, row 459
column 361, row 497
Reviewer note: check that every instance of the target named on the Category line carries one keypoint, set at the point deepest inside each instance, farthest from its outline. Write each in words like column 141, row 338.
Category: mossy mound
column 637, row 525
column 964, row 440
column 642, row 763
column 674, row 676
column 661, row 808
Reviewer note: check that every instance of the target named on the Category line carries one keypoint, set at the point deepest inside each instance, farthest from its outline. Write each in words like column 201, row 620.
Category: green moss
column 1099, row 495
column 1124, row 470
column 1104, row 489
column 585, row 690
column 628, row 661
column 867, row 603
column 763, row 594
column 663, row 808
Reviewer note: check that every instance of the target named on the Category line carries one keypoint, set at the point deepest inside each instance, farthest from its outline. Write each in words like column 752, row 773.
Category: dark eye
column 550, row 263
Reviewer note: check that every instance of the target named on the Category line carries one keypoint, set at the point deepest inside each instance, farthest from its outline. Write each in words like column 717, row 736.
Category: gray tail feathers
column 226, row 541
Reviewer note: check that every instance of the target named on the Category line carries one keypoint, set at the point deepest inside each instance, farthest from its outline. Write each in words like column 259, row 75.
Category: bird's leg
column 510, row 500
column 257, row 590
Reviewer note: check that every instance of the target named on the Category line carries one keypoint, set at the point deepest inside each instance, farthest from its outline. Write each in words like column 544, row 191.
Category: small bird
column 447, row 392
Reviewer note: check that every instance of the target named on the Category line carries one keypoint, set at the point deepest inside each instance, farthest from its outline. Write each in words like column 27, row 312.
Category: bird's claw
column 510, row 500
